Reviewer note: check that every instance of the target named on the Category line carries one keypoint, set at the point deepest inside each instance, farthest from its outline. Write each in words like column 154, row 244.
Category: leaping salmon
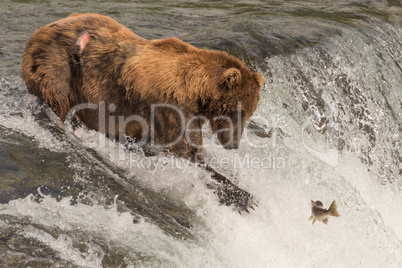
column 322, row 214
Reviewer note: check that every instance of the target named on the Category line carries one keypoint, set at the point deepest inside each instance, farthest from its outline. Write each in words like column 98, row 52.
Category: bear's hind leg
column 51, row 73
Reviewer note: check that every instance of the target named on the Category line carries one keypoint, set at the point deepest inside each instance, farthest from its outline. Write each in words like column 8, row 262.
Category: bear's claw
column 231, row 195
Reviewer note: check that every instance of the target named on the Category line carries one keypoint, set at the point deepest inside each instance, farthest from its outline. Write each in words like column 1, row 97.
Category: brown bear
column 158, row 92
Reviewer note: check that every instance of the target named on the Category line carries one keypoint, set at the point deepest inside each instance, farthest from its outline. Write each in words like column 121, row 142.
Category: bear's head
column 232, row 101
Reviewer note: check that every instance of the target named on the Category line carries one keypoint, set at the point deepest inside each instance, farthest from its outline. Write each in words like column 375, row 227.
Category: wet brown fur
column 118, row 67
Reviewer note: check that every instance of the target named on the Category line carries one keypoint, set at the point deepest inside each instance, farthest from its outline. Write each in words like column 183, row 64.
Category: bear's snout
column 230, row 129
column 229, row 140
column 233, row 146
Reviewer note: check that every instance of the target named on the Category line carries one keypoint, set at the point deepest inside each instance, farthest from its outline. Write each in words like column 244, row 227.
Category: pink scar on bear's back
column 83, row 41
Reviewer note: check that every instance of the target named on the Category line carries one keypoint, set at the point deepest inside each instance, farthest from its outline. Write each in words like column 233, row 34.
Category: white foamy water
column 19, row 113
column 277, row 233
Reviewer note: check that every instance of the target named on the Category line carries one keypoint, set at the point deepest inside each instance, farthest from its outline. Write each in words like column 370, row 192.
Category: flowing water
column 328, row 127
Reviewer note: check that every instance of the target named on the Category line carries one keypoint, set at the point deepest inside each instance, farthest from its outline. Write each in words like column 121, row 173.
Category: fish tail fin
column 333, row 209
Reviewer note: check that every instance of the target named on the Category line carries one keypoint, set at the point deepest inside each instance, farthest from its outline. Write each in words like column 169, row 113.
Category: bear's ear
column 230, row 78
column 259, row 79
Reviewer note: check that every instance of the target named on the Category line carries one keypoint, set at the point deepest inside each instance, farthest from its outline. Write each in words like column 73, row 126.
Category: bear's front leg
column 190, row 147
column 229, row 194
